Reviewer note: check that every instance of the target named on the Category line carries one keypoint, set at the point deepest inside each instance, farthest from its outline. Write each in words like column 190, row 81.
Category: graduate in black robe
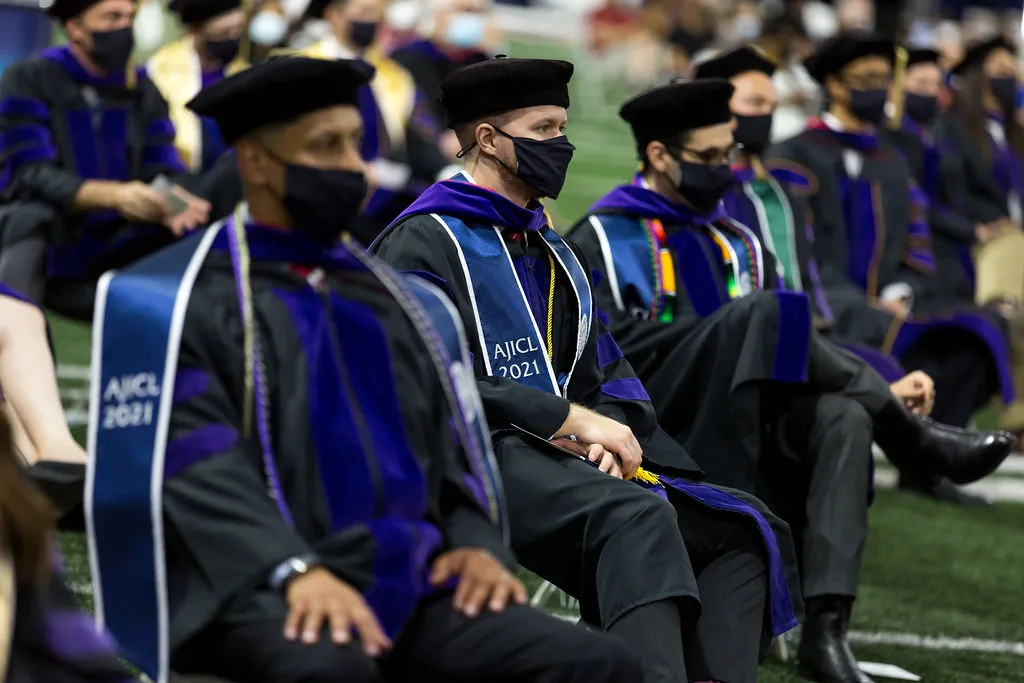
column 548, row 369
column 733, row 365
column 308, row 371
column 872, row 241
column 760, row 198
column 83, row 133
column 985, row 85
column 982, row 129
column 928, row 141
column 763, row 200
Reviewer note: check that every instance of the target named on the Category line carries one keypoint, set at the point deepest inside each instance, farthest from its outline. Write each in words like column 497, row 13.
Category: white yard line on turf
column 910, row 640
column 995, row 488
column 937, row 642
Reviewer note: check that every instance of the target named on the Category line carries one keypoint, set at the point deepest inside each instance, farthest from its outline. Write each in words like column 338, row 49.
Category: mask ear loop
column 465, row 150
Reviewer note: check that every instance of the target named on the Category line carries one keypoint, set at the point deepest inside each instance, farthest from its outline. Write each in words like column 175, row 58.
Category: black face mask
column 703, row 186
column 921, row 108
column 753, row 132
column 541, row 164
column 111, row 50
column 362, row 33
column 224, row 51
column 1005, row 91
column 322, row 202
column 868, row 105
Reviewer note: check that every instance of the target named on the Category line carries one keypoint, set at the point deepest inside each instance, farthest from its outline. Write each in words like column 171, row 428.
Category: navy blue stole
column 130, row 404
column 512, row 342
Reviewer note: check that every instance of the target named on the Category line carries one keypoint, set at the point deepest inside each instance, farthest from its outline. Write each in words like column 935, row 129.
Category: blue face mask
column 466, row 30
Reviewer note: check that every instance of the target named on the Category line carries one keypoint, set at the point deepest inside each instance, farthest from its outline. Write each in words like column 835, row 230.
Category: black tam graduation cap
column 678, row 107
column 733, row 63
column 502, row 84
column 279, row 89
column 922, row 56
column 837, row 52
column 64, row 10
column 976, row 55
column 193, row 12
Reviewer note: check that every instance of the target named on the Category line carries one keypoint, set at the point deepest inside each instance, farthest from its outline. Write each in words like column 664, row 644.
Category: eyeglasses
column 714, row 156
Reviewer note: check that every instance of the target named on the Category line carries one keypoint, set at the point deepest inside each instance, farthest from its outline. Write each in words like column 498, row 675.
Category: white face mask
column 268, row 28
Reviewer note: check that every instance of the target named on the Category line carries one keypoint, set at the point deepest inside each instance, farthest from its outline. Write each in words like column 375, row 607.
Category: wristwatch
column 291, row 569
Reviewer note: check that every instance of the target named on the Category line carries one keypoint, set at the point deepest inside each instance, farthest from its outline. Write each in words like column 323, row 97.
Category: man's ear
column 485, row 137
column 658, row 156
column 835, row 89
column 252, row 163
column 73, row 28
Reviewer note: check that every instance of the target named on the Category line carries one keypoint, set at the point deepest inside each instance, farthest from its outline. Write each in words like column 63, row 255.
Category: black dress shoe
column 963, row 455
column 824, row 655
column 941, row 489
column 64, row 484
column 927, row 447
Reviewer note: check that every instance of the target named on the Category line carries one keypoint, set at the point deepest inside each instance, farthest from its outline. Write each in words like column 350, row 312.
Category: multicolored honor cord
column 663, row 268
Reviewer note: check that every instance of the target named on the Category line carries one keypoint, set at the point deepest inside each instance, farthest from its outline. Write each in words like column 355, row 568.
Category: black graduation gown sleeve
column 226, row 532
column 456, row 512
column 419, row 245
column 942, row 220
column 33, row 82
column 982, row 200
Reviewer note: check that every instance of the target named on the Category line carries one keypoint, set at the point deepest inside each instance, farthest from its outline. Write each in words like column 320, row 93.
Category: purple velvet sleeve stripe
column 24, row 135
column 189, row 383
column 198, row 445
column 476, row 487
column 162, row 128
column 162, row 155
column 628, row 389
column 793, row 338
column 607, row 350
column 603, row 317
column 72, row 635
column 24, row 108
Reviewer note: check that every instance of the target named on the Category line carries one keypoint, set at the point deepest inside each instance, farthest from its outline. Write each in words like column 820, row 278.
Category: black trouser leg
column 833, row 370
column 833, row 436
column 520, row 645
column 23, row 266
column 247, row 646
column 655, row 633
column 732, row 575
column 734, row 592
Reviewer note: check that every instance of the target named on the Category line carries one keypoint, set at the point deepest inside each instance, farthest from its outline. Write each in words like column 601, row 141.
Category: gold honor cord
column 551, row 309
column 641, row 475
column 248, row 318
column 897, row 96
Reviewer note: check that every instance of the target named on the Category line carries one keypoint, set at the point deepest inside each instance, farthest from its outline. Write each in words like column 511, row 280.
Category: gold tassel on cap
column 245, row 45
column 897, row 95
